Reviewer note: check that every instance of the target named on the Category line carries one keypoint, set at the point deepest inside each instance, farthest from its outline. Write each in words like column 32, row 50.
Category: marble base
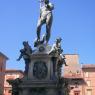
column 29, row 87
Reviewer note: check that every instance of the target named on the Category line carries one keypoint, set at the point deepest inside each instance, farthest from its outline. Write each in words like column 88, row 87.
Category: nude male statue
column 46, row 17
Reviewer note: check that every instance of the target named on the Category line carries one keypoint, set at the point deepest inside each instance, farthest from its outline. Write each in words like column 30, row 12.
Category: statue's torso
column 45, row 11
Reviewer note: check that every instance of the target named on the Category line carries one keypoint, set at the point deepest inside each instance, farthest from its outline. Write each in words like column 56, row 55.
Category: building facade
column 73, row 73
column 11, row 74
column 81, row 77
column 3, row 60
column 89, row 77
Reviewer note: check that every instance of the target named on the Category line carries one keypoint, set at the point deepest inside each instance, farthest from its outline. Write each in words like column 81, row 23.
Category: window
column 1, row 68
column 10, row 91
column 10, row 74
column 88, row 83
column 86, row 74
column 76, row 92
column 89, row 92
column 17, row 76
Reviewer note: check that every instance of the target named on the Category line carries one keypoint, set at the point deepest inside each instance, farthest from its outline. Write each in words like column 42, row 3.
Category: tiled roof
column 73, row 76
column 4, row 55
column 13, row 71
column 88, row 66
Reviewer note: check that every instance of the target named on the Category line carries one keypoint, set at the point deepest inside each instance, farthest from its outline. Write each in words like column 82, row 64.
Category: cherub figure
column 55, row 50
column 58, row 58
column 25, row 54
column 62, row 58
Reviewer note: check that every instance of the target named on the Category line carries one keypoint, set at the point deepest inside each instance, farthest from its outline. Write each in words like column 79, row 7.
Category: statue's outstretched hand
column 18, row 59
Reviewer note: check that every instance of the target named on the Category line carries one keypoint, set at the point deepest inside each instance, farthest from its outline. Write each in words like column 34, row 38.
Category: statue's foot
column 43, row 39
column 36, row 43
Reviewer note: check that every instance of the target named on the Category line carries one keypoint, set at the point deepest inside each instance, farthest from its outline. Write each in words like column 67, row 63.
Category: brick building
column 89, row 77
column 3, row 59
column 11, row 74
column 81, row 77
column 74, row 74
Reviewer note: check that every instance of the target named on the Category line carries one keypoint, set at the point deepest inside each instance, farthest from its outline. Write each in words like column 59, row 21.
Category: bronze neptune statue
column 46, row 17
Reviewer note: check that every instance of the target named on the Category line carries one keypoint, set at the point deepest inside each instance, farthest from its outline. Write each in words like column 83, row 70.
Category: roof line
column 13, row 70
column 4, row 55
column 71, row 54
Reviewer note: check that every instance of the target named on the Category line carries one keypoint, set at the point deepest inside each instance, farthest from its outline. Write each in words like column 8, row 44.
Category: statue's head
column 59, row 39
column 46, row 1
column 25, row 43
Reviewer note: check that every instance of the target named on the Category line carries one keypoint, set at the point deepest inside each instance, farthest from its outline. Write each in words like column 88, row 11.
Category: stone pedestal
column 40, row 67
column 41, row 78
column 38, row 88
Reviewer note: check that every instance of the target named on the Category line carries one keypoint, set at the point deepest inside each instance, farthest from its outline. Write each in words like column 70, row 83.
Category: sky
column 73, row 21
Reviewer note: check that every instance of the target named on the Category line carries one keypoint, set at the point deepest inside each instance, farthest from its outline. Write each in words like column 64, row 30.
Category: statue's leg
column 27, row 61
column 38, row 29
column 64, row 62
column 54, row 65
column 48, row 26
